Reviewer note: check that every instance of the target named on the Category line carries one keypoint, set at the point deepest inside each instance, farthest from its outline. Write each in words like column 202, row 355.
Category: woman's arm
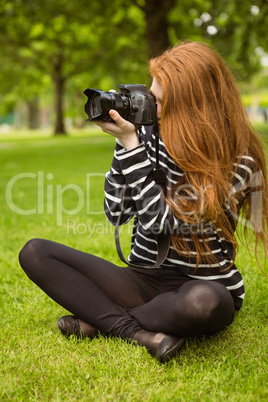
column 115, row 185
column 132, row 166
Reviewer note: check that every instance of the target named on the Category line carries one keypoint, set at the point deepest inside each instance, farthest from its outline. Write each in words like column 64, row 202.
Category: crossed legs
column 90, row 288
column 106, row 297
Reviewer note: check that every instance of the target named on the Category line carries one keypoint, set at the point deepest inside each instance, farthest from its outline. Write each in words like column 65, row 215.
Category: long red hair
column 206, row 130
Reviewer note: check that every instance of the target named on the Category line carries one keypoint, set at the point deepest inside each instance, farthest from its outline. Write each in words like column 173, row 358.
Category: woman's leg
column 198, row 307
column 99, row 292
column 89, row 287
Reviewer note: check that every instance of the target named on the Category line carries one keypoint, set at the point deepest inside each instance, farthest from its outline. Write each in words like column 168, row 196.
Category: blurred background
column 51, row 51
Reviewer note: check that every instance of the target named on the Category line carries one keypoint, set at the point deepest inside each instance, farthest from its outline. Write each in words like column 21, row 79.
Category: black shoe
column 168, row 348
column 69, row 325
column 162, row 347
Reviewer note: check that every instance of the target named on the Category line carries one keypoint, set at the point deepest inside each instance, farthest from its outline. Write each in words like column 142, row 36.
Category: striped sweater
column 153, row 215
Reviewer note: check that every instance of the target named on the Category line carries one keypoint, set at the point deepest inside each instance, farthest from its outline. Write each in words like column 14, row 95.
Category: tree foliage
column 69, row 46
column 234, row 27
column 65, row 40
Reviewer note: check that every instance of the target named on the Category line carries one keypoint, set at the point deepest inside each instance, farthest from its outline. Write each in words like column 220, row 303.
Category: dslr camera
column 134, row 103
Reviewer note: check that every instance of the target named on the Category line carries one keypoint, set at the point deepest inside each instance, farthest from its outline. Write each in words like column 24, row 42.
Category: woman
column 215, row 167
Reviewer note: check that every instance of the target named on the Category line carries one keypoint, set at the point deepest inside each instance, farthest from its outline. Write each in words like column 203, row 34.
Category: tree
column 235, row 28
column 238, row 27
column 66, row 39
column 73, row 45
column 156, row 18
column 47, row 36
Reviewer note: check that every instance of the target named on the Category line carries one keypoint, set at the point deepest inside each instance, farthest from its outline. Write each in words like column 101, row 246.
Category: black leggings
column 121, row 301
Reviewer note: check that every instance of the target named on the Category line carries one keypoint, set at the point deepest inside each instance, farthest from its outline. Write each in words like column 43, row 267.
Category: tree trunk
column 156, row 17
column 59, row 86
column 33, row 114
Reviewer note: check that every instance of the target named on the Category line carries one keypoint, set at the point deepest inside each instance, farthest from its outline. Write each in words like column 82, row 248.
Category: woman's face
column 157, row 91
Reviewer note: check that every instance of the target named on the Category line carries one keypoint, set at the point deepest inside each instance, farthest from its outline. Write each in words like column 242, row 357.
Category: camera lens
column 96, row 108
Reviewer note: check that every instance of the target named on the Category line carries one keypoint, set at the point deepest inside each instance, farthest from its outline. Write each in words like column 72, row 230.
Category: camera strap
column 163, row 240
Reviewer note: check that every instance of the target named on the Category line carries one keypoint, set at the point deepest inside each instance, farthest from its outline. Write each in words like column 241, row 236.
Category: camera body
column 134, row 103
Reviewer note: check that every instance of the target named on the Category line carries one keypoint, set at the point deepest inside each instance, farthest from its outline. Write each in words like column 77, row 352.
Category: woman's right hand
column 122, row 129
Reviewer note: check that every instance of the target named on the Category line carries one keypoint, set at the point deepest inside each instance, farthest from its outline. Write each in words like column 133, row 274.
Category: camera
column 134, row 103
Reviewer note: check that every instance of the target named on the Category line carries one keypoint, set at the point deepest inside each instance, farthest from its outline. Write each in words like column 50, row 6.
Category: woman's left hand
column 122, row 129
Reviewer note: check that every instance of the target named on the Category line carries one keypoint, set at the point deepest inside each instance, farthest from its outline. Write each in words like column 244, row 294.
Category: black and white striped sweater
column 153, row 215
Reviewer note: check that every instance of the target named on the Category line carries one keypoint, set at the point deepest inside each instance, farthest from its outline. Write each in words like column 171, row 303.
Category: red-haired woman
column 215, row 171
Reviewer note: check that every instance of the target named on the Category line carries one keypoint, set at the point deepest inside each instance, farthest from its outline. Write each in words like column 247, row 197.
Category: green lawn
column 53, row 188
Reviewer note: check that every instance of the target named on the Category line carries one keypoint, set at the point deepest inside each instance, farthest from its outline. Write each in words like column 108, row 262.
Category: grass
column 36, row 362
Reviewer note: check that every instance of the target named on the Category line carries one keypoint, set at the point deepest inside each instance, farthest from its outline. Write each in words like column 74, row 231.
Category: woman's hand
column 121, row 129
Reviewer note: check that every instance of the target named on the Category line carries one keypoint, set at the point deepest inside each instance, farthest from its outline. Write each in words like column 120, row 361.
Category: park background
column 52, row 51
column 52, row 171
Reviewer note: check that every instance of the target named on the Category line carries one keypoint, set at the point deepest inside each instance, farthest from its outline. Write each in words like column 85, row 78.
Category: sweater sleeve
column 246, row 183
column 134, row 168
column 114, row 187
